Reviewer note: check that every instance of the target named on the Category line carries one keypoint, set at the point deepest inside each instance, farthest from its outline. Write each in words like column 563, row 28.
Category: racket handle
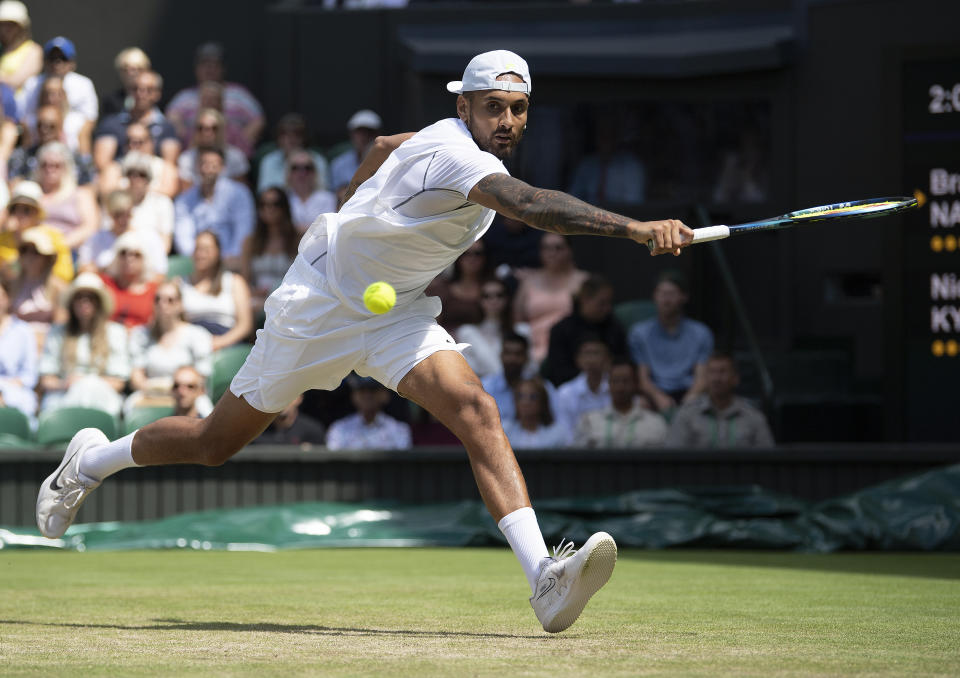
column 703, row 235
column 709, row 233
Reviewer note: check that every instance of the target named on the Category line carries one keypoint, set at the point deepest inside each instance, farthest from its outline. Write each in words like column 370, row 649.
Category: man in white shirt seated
column 628, row 422
column 590, row 389
column 369, row 428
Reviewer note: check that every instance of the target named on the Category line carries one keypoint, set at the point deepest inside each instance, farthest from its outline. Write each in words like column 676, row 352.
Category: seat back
column 226, row 363
column 57, row 427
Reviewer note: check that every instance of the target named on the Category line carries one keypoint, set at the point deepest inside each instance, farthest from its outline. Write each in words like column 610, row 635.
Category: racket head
column 855, row 209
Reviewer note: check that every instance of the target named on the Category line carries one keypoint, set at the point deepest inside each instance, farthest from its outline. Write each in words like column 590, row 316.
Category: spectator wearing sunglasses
column 38, row 292
column 535, row 426
column 97, row 254
column 25, row 212
column 110, row 138
column 23, row 160
column 70, row 208
column 270, row 250
column 210, row 132
column 60, row 61
column 161, row 175
column 131, row 281
column 189, row 393
column 486, row 337
column 159, row 350
column 243, row 113
column 308, row 198
column 292, row 135
column 153, row 211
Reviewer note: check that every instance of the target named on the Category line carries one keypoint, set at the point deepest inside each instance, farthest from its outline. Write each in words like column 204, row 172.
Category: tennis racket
column 857, row 209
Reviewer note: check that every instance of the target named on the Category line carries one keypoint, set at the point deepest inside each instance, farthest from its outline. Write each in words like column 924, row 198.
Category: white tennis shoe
column 65, row 489
column 569, row 578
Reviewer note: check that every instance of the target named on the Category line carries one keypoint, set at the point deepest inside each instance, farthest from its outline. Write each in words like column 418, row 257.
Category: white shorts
column 310, row 340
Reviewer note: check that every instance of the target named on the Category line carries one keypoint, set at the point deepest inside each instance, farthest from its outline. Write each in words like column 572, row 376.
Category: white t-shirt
column 154, row 214
column 409, row 221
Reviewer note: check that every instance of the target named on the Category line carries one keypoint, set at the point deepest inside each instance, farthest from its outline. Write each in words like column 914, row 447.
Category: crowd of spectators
column 139, row 243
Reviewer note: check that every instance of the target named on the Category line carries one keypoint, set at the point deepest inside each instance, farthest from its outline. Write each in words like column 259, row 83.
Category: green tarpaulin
column 920, row 512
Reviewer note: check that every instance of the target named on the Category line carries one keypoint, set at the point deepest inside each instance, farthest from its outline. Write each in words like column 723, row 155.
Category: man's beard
column 490, row 146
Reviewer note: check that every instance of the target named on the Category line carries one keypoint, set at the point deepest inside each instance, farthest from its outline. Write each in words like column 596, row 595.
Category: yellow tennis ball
column 379, row 297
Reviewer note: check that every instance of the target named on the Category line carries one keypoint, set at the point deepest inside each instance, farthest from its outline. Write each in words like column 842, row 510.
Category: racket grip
column 709, row 233
column 703, row 235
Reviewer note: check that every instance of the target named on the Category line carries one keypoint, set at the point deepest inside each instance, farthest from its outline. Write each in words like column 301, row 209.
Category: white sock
column 99, row 462
column 523, row 534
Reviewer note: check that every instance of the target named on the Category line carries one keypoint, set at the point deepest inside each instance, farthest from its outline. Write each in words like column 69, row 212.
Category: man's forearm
column 551, row 210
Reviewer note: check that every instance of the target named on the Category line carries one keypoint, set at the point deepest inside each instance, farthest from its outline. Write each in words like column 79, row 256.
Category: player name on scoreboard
column 944, row 211
column 930, row 315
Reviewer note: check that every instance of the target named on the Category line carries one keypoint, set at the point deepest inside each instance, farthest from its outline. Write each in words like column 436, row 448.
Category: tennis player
column 414, row 209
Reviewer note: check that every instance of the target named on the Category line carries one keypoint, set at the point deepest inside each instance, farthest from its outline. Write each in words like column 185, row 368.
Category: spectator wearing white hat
column 243, row 113
column 60, row 60
column 22, row 57
column 363, row 127
column 131, row 281
column 24, row 213
column 97, row 253
column 85, row 361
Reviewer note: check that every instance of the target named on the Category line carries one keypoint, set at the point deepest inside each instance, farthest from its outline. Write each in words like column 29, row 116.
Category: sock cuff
column 515, row 517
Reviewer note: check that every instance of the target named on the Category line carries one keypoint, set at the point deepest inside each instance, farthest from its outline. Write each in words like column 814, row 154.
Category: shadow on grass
column 931, row 565
column 254, row 627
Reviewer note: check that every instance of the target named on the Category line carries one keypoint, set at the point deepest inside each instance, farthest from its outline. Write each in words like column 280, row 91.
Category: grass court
column 463, row 612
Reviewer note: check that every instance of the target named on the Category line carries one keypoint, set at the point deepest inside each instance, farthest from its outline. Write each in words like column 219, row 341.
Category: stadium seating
column 633, row 311
column 226, row 363
column 57, row 427
column 179, row 266
column 14, row 429
column 141, row 416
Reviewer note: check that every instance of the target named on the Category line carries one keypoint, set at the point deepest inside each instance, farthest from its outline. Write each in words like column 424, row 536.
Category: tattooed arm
column 379, row 151
column 562, row 213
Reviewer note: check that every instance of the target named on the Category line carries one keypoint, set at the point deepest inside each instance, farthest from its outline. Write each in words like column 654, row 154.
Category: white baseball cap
column 484, row 69
column 364, row 118
column 15, row 12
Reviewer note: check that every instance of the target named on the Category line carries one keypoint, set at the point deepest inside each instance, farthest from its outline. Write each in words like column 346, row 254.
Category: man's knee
column 478, row 408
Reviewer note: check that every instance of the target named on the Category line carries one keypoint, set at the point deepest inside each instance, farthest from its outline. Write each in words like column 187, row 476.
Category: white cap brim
column 455, row 86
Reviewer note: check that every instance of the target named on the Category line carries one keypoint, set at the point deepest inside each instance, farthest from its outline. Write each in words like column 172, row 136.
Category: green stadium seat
column 141, row 416
column 226, row 363
column 57, row 427
column 179, row 266
column 14, row 422
column 633, row 311
column 14, row 430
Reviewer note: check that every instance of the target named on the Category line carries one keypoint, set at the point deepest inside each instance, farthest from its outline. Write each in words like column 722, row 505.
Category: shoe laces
column 73, row 493
column 563, row 550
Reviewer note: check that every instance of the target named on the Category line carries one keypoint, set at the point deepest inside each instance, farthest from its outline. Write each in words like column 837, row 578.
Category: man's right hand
column 669, row 236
